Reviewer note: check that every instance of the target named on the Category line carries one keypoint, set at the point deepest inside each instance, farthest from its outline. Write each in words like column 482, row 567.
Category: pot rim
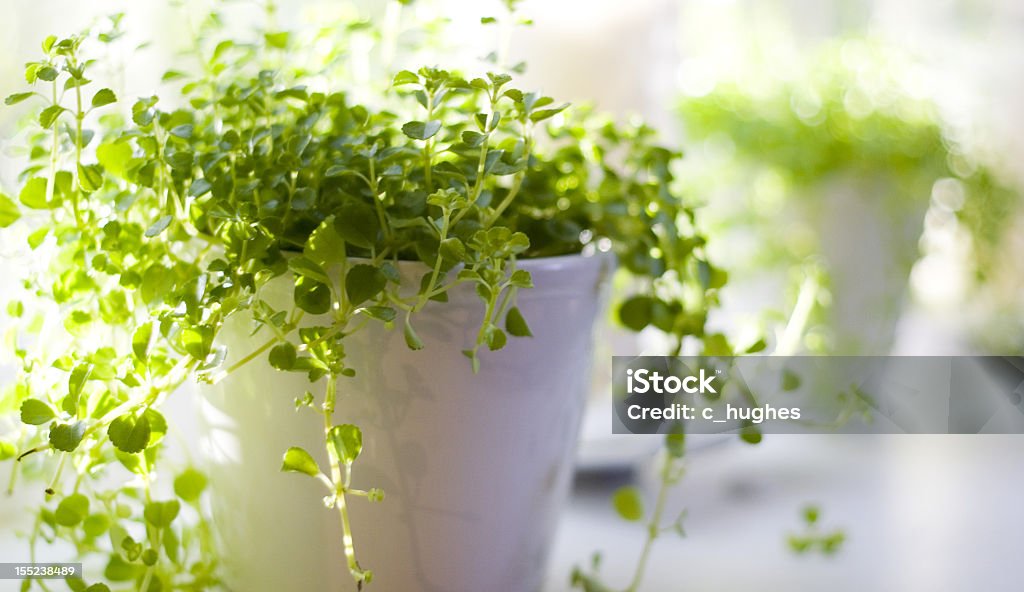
column 542, row 270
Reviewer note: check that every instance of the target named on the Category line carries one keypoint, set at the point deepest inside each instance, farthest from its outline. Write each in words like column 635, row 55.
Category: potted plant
column 846, row 152
column 391, row 299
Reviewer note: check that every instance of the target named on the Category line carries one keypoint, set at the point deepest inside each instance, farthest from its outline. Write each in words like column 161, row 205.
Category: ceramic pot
column 474, row 467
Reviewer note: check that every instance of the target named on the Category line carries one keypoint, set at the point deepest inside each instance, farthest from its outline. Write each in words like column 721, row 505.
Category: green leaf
column 72, row 510
column 66, row 437
column 48, row 116
column 16, row 97
column 198, row 341
column 629, row 504
column 47, row 73
column 90, row 177
column 811, row 514
column 521, row 278
column 325, row 246
column 515, row 324
column 130, row 433
column 36, row 412
column 675, row 443
column 711, row 277
column 183, row 131
column 76, row 382
column 473, row 139
column 305, row 267
column 33, row 194
column 347, row 442
column 751, row 434
column 119, row 570
column 496, row 338
column 159, row 226
column 757, row 346
column 381, row 313
column 7, row 450
column 312, row 296
column 790, row 380
column 115, row 158
column 636, row 312
column 172, row 545
column 418, row 130
column 9, row 212
column 299, row 461
column 452, row 249
column 189, row 485
column 141, row 340
column 588, row 583
column 36, row 238
column 357, row 223
column 542, row 114
column 199, row 188
column 282, row 356
column 405, row 77
column 364, row 282
column 96, row 588
column 157, row 425
column 161, row 514
column 96, row 525
column 412, row 340
column 104, row 96
column 717, row 344
column 149, row 557
column 277, row 40
column 78, row 377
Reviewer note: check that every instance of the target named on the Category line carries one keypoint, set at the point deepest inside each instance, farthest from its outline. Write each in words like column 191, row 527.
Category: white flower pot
column 474, row 467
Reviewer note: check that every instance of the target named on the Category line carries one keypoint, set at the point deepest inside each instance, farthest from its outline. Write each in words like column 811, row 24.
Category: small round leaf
column 628, row 503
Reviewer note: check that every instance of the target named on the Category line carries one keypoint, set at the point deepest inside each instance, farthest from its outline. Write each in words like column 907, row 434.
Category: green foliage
column 346, row 442
column 189, row 485
column 629, row 503
column 164, row 219
column 72, row 510
column 813, row 539
column 36, row 412
column 297, row 460
column 829, row 118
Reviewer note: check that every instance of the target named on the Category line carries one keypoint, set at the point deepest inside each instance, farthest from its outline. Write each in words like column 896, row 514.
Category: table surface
column 921, row 513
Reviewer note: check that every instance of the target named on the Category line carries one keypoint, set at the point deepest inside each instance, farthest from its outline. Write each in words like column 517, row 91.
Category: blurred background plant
column 863, row 152
column 840, row 161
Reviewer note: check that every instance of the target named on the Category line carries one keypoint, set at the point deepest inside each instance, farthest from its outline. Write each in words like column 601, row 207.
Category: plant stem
column 79, row 116
column 381, row 214
column 789, row 343
column 270, row 343
column 505, row 203
column 654, row 524
column 339, row 484
column 425, row 296
column 57, row 474
column 14, row 478
column 428, row 147
column 54, row 149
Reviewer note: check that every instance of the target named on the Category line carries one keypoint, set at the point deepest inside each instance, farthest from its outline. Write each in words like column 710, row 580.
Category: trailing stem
column 339, row 484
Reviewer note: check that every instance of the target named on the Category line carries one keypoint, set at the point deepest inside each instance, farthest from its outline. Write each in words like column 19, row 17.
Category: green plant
column 849, row 113
column 161, row 218
column 812, row 539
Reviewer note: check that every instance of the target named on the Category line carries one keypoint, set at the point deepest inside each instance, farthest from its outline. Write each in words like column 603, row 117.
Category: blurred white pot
column 474, row 467
column 869, row 239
